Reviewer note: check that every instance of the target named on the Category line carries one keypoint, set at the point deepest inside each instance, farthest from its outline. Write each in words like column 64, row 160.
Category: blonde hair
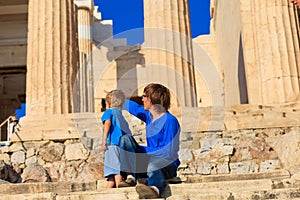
column 116, row 98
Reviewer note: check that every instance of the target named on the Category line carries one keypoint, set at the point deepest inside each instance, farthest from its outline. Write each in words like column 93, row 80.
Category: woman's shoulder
column 170, row 117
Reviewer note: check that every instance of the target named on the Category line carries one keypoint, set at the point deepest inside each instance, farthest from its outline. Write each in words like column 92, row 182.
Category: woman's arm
column 136, row 110
column 165, row 143
column 107, row 124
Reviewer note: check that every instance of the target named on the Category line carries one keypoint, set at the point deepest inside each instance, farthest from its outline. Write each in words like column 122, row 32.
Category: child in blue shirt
column 114, row 127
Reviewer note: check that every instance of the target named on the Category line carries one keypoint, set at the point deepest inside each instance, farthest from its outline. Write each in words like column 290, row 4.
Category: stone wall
column 251, row 151
column 240, row 152
column 56, row 161
column 236, row 140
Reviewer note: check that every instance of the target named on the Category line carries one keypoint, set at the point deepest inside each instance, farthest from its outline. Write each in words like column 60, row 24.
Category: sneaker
column 174, row 180
column 146, row 192
column 129, row 182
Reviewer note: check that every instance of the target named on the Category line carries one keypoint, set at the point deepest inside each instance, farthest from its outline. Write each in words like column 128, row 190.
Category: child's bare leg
column 118, row 179
column 110, row 183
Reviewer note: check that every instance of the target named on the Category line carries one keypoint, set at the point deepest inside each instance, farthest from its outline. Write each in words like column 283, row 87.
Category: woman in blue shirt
column 162, row 136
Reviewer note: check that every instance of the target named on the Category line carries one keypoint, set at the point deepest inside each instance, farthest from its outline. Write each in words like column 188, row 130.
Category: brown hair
column 159, row 95
column 116, row 98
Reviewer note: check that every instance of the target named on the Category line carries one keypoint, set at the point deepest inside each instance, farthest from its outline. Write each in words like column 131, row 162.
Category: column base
column 57, row 127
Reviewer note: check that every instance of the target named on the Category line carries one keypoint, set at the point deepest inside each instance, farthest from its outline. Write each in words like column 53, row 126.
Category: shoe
column 174, row 180
column 146, row 192
column 129, row 182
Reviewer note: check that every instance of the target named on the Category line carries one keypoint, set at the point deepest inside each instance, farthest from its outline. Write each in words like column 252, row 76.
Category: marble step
column 236, row 190
column 229, row 187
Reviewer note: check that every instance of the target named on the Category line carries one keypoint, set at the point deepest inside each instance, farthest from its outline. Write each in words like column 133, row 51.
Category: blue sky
column 20, row 112
column 128, row 15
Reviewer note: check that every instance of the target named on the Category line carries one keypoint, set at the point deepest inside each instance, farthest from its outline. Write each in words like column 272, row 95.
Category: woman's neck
column 155, row 113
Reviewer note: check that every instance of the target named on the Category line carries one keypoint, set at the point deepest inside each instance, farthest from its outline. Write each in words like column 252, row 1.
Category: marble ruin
column 235, row 91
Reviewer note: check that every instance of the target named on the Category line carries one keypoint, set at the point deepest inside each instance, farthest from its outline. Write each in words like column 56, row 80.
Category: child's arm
column 106, row 128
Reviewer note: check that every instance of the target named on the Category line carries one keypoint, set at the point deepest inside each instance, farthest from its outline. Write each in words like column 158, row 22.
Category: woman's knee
column 125, row 138
column 127, row 143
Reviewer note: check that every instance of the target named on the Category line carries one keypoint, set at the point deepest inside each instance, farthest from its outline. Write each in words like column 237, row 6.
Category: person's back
column 119, row 125
column 115, row 126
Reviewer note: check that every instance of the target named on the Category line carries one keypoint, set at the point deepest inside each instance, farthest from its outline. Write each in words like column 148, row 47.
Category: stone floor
column 266, row 186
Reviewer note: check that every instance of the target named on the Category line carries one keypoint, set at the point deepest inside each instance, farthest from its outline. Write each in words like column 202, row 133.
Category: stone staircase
column 276, row 185
column 280, row 144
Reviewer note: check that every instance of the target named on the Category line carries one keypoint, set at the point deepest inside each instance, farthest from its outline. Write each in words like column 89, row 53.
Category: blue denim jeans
column 158, row 170
column 128, row 149
column 136, row 162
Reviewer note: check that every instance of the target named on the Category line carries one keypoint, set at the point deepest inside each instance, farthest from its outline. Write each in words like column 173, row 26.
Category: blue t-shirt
column 119, row 125
column 162, row 135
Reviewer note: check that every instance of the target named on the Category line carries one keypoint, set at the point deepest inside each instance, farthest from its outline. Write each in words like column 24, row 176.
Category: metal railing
column 12, row 127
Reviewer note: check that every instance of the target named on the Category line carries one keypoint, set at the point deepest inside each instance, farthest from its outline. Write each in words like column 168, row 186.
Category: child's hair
column 116, row 98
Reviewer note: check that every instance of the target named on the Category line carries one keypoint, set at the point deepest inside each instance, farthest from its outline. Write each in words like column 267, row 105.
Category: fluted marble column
column 52, row 58
column 52, row 65
column 85, row 75
column 168, row 48
column 271, row 51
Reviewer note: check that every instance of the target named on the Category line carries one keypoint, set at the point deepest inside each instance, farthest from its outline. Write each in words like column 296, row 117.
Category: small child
column 115, row 126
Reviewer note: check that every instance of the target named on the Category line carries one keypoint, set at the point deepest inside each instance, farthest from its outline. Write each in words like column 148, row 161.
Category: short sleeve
column 107, row 115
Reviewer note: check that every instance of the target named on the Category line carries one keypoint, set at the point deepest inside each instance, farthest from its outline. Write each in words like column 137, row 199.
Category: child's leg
column 118, row 179
column 110, row 183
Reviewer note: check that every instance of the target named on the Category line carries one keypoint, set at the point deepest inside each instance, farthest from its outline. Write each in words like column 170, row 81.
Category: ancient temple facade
column 48, row 65
column 241, row 61
column 255, row 46
column 59, row 58
column 13, row 50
